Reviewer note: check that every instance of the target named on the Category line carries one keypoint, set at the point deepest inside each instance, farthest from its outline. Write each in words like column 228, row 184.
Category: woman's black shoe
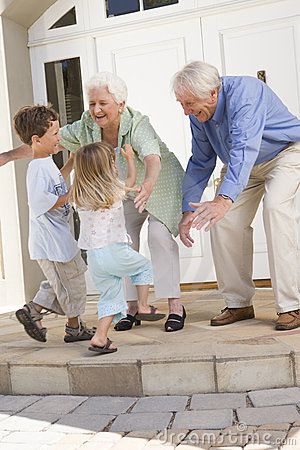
column 127, row 323
column 175, row 322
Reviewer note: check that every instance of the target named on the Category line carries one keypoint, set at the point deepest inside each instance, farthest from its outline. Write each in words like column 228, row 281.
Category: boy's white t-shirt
column 49, row 232
column 102, row 227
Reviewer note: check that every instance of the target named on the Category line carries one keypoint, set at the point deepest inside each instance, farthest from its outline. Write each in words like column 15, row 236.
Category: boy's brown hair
column 33, row 120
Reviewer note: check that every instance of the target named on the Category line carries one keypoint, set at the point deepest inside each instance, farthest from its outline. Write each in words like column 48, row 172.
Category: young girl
column 98, row 194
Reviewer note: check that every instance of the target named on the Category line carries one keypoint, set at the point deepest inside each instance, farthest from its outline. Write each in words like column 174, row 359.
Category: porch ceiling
column 24, row 12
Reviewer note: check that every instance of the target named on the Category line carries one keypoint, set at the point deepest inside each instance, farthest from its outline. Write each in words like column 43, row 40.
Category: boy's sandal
column 127, row 323
column 103, row 350
column 81, row 333
column 175, row 322
column 28, row 316
column 150, row 317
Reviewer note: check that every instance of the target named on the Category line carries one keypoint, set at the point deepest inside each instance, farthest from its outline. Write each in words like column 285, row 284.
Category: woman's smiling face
column 104, row 109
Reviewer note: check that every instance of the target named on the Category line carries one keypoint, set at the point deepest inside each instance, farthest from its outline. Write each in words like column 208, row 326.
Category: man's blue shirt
column 250, row 125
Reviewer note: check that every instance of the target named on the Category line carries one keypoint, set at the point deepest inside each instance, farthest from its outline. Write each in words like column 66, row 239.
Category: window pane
column 119, row 7
column 64, row 91
column 148, row 4
column 68, row 19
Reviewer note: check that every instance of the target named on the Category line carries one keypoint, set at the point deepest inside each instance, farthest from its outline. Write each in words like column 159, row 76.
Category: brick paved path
column 266, row 419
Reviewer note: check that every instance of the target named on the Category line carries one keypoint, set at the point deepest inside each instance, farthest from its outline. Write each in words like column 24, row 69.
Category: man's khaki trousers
column 277, row 182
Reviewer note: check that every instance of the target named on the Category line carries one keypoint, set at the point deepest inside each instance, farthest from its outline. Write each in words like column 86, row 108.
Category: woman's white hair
column 196, row 78
column 115, row 85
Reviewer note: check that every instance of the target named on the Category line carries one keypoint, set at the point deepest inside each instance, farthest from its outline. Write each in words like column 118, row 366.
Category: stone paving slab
column 169, row 437
column 201, row 438
column 293, row 436
column 260, row 447
column 141, row 422
column 93, row 446
column 213, row 419
column 28, row 437
column 15, row 403
column 283, row 396
column 79, row 423
column 71, row 441
column 107, row 436
column 30, row 422
column 4, row 416
column 134, row 441
column 161, row 404
column 105, row 405
column 241, row 374
column 218, row 401
column 269, row 437
column 259, row 416
column 275, row 426
column 55, row 404
column 14, row 446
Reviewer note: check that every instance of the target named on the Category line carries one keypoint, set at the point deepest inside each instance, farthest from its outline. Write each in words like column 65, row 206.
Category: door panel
column 245, row 42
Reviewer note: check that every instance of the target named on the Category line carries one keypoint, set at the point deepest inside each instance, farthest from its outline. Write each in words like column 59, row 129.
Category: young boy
column 50, row 240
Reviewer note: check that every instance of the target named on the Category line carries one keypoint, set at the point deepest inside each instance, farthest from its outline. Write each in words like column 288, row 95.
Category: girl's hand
column 127, row 152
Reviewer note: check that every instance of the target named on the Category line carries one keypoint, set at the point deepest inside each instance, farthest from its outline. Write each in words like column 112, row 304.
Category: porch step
column 244, row 356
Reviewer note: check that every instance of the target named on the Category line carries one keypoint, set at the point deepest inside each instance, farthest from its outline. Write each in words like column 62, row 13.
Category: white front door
column 147, row 59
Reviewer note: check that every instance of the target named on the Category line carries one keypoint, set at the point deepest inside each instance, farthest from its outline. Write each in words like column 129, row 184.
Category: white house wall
column 12, row 286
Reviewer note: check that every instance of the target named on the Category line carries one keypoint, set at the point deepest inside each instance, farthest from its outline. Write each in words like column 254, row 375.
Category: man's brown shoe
column 288, row 320
column 231, row 315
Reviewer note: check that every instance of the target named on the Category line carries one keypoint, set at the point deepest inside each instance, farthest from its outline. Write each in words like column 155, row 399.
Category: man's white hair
column 115, row 85
column 197, row 78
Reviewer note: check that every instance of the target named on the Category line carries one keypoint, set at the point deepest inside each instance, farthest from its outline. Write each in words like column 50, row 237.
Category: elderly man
column 242, row 121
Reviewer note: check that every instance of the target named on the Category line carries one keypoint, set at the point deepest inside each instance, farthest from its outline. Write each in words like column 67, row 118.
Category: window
column 66, row 20
column 149, row 4
column 119, row 7
column 64, row 92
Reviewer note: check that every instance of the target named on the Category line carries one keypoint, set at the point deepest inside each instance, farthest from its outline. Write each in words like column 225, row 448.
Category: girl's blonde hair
column 96, row 184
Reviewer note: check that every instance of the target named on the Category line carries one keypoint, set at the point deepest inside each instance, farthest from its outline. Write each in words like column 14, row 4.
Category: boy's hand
column 127, row 152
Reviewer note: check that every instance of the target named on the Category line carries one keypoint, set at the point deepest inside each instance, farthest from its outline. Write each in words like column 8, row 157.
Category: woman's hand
column 152, row 166
column 145, row 190
column 184, row 229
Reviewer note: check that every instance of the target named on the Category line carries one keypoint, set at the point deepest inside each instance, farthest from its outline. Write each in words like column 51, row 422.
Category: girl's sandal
column 175, row 322
column 127, row 323
column 103, row 350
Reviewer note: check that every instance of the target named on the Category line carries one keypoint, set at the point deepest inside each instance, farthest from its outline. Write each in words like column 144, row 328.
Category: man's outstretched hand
column 209, row 212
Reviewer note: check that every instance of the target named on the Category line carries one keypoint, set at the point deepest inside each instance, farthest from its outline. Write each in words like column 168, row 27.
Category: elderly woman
column 159, row 177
